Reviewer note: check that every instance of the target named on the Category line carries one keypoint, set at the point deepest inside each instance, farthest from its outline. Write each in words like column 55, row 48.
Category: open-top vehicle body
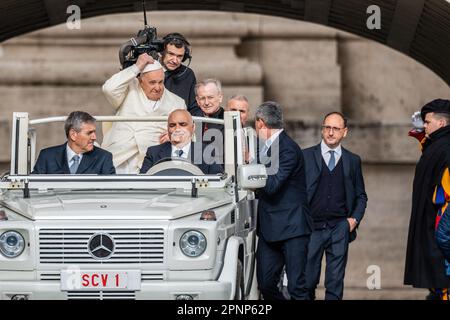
column 173, row 233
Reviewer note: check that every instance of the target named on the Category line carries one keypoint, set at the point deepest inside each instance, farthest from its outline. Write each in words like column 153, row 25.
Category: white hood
column 130, row 205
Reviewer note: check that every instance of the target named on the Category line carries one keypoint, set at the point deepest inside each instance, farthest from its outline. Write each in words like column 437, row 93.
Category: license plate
column 100, row 280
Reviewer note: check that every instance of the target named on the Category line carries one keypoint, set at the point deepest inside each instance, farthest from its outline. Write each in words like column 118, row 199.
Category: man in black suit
column 337, row 201
column 180, row 128
column 78, row 155
column 209, row 97
column 284, row 223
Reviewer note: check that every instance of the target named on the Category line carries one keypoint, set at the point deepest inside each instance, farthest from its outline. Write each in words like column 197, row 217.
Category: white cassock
column 128, row 141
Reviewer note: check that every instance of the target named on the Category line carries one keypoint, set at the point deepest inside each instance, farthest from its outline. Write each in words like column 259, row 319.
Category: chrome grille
column 70, row 246
column 50, row 276
column 101, row 295
column 151, row 276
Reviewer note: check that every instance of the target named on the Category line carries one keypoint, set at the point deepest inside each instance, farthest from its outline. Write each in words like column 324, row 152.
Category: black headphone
column 178, row 38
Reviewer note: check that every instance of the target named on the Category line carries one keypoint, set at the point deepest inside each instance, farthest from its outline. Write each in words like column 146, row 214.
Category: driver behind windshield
column 180, row 128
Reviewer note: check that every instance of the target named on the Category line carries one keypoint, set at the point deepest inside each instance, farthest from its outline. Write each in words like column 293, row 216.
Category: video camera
column 146, row 41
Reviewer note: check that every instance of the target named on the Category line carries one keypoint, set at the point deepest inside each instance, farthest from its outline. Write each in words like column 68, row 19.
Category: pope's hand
column 143, row 60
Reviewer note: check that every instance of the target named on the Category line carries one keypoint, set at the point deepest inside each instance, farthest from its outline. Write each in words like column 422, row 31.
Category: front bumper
column 157, row 290
column 221, row 289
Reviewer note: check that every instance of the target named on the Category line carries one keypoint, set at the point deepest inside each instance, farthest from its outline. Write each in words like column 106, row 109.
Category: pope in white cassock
column 137, row 91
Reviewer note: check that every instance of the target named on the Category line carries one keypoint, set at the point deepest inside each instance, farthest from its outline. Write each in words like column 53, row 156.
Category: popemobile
column 173, row 233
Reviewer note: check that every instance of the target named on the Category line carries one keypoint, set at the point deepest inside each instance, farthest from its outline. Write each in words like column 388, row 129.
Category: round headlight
column 11, row 244
column 193, row 243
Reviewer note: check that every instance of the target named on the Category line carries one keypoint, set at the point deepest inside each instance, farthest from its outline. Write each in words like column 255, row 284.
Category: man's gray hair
column 270, row 112
column 238, row 97
column 205, row 82
column 76, row 119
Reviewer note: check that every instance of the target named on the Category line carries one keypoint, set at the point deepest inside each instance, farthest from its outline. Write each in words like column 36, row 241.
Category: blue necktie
column 332, row 162
column 179, row 153
column 263, row 158
column 76, row 162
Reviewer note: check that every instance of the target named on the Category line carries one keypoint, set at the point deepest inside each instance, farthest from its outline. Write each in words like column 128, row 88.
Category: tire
column 240, row 290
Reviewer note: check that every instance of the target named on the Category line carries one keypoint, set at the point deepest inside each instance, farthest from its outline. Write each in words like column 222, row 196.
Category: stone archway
column 379, row 125
column 418, row 28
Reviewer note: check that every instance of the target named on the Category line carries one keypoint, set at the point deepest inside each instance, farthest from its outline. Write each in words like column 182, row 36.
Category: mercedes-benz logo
column 101, row 246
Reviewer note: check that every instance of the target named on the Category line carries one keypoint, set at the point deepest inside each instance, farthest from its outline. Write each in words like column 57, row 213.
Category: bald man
column 180, row 128
column 137, row 91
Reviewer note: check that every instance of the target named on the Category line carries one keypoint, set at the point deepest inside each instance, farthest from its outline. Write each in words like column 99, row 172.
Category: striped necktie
column 76, row 162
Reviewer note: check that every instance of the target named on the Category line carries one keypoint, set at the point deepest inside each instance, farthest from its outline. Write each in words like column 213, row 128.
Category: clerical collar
column 217, row 115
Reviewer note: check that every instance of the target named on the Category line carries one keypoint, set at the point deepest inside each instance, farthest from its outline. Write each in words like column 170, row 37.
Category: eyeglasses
column 329, row 128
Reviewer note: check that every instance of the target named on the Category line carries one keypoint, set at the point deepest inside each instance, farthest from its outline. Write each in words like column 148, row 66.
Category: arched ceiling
column 418, row 28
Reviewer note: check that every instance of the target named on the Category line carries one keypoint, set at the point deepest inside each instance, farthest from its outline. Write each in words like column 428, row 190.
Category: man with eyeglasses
column 337, row 201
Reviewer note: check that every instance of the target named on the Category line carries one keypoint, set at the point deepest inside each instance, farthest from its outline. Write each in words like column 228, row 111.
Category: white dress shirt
column 70, row 153
column 185, row 153
column 272, row 138
column 326, row 152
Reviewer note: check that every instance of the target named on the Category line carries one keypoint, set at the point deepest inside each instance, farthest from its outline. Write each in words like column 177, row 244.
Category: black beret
column 437, row 106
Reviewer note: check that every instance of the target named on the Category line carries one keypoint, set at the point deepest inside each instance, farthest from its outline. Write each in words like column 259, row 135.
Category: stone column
column 300, row 65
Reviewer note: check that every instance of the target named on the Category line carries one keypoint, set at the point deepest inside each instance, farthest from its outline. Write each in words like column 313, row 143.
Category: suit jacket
column 355, row 194
column 125, row 139
column 283, row 205
column 156, row 153
column 53, row 160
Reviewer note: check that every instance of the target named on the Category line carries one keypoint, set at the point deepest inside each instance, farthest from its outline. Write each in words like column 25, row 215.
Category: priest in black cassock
column 425, row 264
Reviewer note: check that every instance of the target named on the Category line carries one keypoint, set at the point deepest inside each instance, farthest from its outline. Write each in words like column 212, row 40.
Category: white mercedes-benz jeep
column 181, row 235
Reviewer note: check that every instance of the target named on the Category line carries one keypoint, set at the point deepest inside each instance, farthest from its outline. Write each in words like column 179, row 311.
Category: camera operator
column 179, row 78
column 137, row 91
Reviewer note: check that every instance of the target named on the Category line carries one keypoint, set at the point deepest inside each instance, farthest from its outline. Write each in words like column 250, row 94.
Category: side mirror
column 252, row 176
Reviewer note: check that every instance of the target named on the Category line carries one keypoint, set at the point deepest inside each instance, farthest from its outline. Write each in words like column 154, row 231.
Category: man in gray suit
column 337, row 201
